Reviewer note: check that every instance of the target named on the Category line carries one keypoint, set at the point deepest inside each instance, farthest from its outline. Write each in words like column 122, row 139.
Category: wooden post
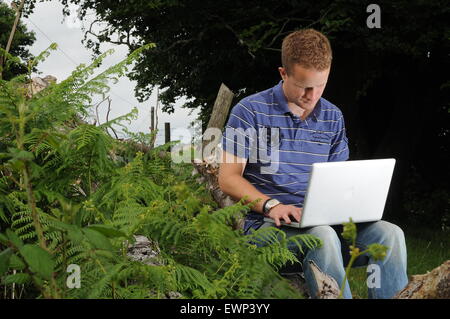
column 209, row 170
column 220, row 109
column 155, row 120
column 152, row 119
column 167, row 134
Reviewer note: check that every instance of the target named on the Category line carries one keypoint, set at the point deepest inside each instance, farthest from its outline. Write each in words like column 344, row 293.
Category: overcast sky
column 48, row 25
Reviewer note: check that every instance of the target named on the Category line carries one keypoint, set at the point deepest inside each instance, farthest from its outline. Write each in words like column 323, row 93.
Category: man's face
column 304, row 87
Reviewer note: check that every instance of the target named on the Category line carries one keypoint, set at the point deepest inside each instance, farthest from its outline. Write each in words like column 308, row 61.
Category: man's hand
column 282, row 212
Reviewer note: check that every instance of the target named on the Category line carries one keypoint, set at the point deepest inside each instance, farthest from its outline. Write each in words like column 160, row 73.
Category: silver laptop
column 340, row 190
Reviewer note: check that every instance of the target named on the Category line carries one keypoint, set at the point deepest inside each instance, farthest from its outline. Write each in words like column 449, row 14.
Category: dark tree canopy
column 22, row 39
column 203, row 43
column 391, row 83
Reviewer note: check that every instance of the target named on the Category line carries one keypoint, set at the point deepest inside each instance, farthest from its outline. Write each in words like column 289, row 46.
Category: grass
column 426, row 249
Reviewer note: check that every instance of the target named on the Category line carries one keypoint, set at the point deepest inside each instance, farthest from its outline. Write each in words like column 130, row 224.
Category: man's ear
column 283, row 72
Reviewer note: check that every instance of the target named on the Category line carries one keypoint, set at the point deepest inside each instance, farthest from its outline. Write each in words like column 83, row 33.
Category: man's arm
column 232, row 183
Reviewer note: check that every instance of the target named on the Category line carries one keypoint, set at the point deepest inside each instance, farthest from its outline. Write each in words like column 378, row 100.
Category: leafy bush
column 71, row 194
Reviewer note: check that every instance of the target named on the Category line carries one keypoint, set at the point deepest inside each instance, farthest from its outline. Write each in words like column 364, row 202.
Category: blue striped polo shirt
column 280, row 148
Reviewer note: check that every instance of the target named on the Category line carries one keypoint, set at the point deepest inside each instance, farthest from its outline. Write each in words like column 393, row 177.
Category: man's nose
column 309, row 93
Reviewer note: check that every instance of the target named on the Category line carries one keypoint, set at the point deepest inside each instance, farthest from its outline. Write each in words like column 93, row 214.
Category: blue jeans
column 386, row 277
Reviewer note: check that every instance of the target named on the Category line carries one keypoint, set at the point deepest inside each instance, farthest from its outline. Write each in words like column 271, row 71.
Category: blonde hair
column 309, row 48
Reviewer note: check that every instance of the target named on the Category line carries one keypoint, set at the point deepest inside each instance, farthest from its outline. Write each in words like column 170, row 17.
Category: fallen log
column 432, row 285
column 208, row 171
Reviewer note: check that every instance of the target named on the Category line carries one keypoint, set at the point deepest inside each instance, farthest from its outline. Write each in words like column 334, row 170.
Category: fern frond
column 190, row 278
column 103, row 283
column 302, row 240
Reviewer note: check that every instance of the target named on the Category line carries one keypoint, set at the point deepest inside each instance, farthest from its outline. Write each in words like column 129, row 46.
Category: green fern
column 71, row 194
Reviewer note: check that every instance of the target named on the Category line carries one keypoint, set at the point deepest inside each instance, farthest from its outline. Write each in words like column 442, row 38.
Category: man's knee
column 328, row 235
column 329, row 256
column 388, row 232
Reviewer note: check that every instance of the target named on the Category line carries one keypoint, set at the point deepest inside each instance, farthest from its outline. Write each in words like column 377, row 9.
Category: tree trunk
column 13, row 31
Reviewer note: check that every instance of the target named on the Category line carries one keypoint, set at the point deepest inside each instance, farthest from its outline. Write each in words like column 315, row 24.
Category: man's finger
column 299, row 215
column 294, row 213
column 286, row 218
column 277, row 221
column 296, row 216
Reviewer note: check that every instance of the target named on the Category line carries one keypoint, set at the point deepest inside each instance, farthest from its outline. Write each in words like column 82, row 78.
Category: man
column 299, row 128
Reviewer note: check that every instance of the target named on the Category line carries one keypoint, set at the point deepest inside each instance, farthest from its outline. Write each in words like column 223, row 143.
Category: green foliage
column 5, row 256
column 349, row 231
column 38, row 260
column 375, row 250
column 71, row 194
column 22, row 39
column 211, row 259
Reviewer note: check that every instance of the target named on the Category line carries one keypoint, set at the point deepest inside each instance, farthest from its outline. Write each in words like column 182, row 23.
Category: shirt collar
column 282, row 106
column 315, row 114
column 280, row 98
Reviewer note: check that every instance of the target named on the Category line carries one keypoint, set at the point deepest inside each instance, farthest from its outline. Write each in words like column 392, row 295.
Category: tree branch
column 127, row 43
